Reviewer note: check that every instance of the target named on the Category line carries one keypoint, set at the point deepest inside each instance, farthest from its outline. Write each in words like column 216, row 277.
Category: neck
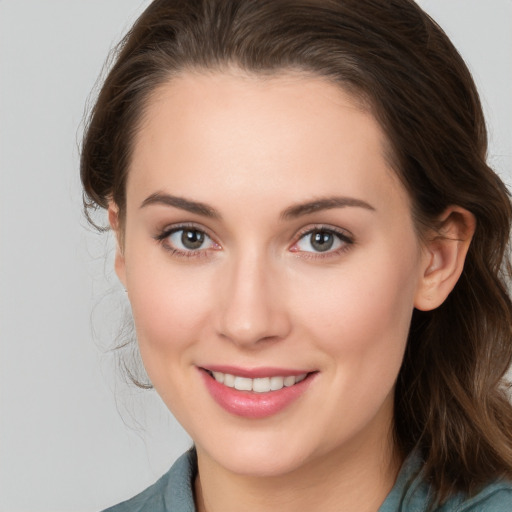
column 355, row 480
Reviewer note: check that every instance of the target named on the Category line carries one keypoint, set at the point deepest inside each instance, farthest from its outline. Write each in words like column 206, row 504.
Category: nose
column 252, row 306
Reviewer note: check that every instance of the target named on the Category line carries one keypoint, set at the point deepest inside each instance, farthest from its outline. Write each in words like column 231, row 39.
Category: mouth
column 256, row 385
column 255, row 393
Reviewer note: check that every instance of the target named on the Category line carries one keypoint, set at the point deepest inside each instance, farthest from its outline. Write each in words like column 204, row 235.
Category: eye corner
column 186, row 240
column 337, row 241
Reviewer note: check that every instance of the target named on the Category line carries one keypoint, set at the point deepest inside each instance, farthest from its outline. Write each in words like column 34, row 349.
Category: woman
column 315, row 252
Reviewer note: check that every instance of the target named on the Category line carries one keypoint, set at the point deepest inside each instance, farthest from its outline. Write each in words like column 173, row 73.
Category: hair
column 451, row 401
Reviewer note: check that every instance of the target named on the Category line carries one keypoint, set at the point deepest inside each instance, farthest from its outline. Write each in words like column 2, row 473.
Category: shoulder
column 495, row 497
column 173, row 492
column 412, row 492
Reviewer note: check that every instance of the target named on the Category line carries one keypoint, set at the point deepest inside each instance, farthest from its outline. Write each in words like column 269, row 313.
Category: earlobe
column 444, row 256
column 119, row 263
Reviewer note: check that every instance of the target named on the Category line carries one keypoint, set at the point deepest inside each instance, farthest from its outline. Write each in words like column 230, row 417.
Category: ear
column 115, row 224
column 444, row 255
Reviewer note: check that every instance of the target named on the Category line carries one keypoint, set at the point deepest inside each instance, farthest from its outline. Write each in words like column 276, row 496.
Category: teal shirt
column 174, row 493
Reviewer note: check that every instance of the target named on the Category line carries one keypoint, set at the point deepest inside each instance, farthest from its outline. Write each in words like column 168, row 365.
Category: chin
column 259, row 457
column 261, row 465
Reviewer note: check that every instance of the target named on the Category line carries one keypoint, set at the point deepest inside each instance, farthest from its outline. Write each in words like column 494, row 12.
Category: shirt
column 174, row 492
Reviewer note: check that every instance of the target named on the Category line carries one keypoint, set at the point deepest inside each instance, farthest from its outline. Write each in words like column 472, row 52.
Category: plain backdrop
column 73, row 436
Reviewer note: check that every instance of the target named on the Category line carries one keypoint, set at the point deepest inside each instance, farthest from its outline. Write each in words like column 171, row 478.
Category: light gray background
column 72, row 436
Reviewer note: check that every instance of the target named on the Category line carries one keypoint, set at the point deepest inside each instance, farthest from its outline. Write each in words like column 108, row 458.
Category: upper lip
column 255, row 373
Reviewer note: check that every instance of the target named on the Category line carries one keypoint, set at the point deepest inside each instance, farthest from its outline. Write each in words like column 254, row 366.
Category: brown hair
column 451, row 403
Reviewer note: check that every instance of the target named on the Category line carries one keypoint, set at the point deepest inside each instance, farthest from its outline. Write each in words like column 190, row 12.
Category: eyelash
column 166, row 233
column 345, row 238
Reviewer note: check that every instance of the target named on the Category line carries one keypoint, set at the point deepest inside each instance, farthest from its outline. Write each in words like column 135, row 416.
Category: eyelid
column 344, row 235
column 176, row 226
column 168, row 230
column 342, row 232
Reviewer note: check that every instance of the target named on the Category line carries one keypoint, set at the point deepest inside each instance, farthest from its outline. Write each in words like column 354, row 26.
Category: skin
column 258, row 294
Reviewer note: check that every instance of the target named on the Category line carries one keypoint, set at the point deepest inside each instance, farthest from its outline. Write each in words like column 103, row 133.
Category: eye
column 189, row 239
column 322, row 240
column 186, row 241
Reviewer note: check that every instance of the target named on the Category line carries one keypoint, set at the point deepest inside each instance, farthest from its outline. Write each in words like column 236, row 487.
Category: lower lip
column 249, row 404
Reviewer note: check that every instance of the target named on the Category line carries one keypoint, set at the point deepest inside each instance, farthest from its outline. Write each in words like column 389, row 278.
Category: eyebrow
column 181, row 203
column 292, row 212
column 326, row 203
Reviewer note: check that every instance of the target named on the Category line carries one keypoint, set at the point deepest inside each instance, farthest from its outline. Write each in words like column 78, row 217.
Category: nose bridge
column 252, row 307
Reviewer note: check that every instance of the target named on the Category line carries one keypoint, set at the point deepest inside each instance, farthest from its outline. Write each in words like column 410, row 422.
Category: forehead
column 289, row 132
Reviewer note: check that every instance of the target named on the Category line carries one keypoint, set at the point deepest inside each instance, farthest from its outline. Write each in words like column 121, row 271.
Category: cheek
column 361, row 315
column 169, row 307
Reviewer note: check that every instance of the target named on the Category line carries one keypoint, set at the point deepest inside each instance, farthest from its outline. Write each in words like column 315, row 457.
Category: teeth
column 259, row 385
column 219, row 377
column 243, row 384
column 289, row 381
column 276, row 383
column 229, row 380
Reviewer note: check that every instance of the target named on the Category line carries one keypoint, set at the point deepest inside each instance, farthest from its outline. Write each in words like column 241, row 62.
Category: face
column 269, row 246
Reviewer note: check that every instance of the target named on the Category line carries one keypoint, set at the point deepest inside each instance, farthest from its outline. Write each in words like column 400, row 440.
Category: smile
column 258, row 385
column 257, row 393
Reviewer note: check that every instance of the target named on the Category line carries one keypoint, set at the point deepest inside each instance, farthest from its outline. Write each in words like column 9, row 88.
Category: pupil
column 192, row 239
column 322, row 240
